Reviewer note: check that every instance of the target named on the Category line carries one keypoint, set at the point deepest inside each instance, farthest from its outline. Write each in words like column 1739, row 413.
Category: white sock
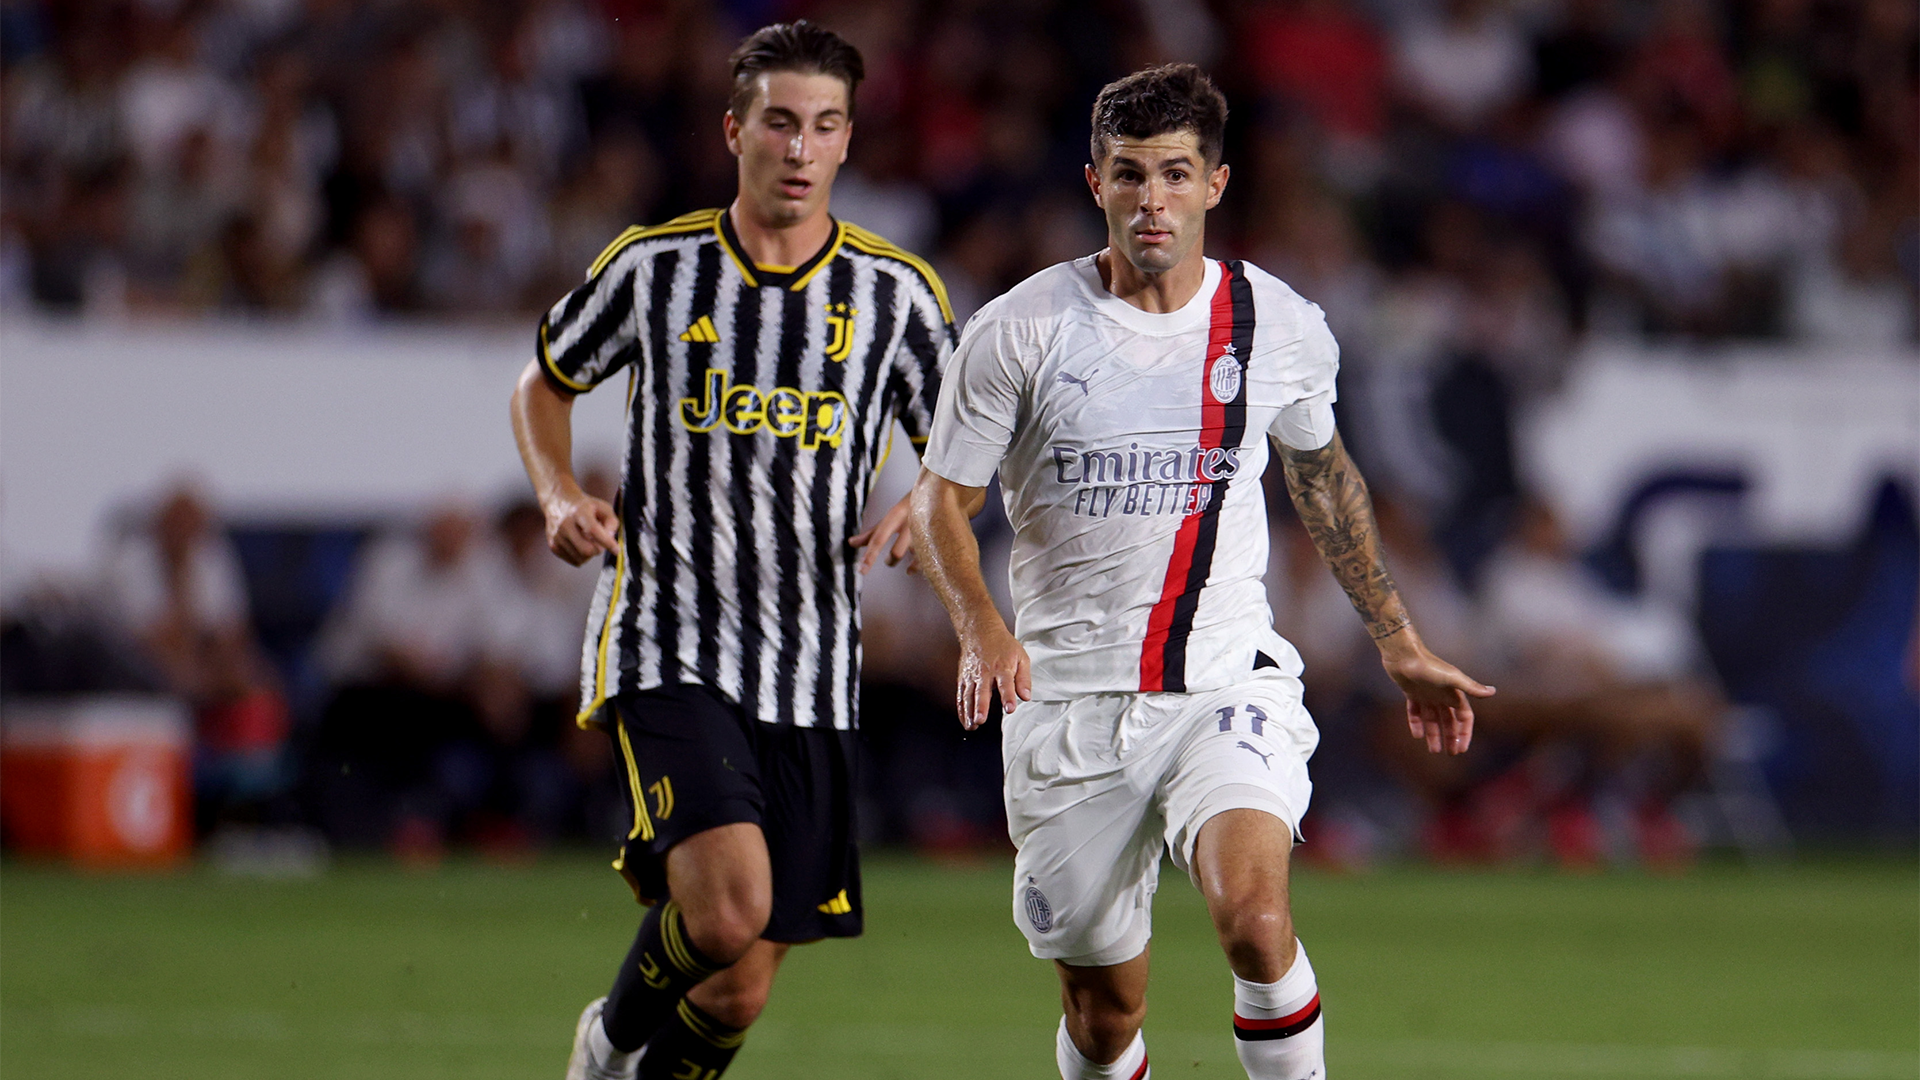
column 1130, row 1065
column 1277, row 1028
column 606, row 1056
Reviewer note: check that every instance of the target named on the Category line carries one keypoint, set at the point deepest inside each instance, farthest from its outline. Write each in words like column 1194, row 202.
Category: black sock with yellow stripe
column 692, row 1045
column 662, row 965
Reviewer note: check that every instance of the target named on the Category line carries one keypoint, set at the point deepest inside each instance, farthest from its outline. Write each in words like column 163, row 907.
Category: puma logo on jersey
column 1071, row 380
column 816, row 416
column 1250, row 748
column 701, row 331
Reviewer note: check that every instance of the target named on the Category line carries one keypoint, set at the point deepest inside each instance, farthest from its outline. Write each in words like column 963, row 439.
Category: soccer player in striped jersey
column 1125, row 399
column 769, row 350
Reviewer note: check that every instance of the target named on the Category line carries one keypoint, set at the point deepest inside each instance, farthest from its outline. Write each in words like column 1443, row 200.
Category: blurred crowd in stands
column 1467, row 187
column 1486, row 174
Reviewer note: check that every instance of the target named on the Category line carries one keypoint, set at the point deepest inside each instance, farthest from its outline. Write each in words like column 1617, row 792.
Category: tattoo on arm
column 1331, row 498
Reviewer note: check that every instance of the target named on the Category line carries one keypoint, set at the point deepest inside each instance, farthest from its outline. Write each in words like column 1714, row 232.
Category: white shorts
column 1097, row 786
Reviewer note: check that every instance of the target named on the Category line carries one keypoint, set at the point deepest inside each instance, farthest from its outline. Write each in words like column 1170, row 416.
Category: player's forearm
column 543, row 429
column 949, row 555
column 1331, row 498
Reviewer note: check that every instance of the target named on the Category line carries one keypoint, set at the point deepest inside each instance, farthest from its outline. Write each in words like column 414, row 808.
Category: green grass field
column 477, row 972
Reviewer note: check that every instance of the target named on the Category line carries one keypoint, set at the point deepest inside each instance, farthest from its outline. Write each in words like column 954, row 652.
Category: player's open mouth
column 795, row 187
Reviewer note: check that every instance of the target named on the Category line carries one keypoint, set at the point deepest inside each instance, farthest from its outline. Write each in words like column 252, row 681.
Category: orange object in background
column 103, row 780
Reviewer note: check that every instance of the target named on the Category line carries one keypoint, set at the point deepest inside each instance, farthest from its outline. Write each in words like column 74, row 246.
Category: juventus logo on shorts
column 1039, row 912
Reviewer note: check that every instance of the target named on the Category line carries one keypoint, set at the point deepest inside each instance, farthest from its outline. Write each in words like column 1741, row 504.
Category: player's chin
column 1155, row 258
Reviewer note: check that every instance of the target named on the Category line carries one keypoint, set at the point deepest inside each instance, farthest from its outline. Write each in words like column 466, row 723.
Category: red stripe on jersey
column 1213, row 421
column 1279, row 1021
column 1141, row 1072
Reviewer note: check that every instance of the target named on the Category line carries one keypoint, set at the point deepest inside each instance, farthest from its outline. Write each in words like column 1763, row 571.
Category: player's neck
column 1159, row 293
column 768, row 244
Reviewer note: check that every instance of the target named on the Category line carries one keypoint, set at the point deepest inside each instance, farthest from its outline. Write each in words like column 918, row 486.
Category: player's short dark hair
column 796, row 46
column 1159, row 101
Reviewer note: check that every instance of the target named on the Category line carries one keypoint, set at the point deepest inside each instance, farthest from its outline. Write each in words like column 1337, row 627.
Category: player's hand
column 1439, row 695
column 580, row 527
column 890, row 535
column 992, row 660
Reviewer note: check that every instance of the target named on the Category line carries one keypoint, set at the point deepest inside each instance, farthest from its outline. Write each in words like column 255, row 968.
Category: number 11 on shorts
column 1255, row 714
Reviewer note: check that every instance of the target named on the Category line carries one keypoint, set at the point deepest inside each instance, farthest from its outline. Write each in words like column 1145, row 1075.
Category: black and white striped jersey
column 760, row 402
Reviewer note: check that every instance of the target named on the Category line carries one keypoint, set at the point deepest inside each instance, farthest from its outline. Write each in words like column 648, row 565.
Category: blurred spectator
column 179, row 592
column 1603, row 713
column 533, row 676
column 615, row 189
column 1674, row 165
column 1464, row 65
column 408, row 651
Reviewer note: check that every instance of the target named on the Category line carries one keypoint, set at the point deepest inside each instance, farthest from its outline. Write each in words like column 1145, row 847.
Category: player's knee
column 723, row 931
column 1109, row 1025
column 1255, row 937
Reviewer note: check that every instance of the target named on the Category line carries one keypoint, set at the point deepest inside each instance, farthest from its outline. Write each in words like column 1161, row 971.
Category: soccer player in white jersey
column 1125, row 400
column 769, row 350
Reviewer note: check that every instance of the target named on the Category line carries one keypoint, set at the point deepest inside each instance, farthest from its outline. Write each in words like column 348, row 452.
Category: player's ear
column 730, row 127
column 1093, row 184
column 1216, row 185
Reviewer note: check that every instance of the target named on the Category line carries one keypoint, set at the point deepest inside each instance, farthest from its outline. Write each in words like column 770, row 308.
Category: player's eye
column 1176, row 177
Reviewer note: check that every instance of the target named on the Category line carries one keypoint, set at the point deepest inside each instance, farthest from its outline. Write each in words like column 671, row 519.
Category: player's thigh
column 687, row 761
column 1246, row 748
column 808, row 777
column 1086, row 829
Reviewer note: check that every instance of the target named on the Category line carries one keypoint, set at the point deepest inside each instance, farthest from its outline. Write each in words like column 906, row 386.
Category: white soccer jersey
column 1129, row 446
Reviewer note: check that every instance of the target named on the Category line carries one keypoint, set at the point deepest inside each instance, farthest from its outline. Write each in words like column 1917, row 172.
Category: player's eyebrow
column 834, row 113
column 1122, row 160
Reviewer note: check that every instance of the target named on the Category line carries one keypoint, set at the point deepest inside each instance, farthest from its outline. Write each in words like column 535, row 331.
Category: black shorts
column 692, row 761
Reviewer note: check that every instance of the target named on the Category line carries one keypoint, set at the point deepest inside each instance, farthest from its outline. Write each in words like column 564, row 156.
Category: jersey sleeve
column 924, row 352
column 979, row 403
column 592, row 333
column 1307, row 423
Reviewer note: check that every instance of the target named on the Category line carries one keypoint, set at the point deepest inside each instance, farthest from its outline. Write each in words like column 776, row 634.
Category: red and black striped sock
column 1277, row 1029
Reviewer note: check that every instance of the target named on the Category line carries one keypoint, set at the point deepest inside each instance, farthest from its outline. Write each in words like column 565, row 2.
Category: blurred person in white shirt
column 180, row 592
column 1608, row 698
column 407, row 650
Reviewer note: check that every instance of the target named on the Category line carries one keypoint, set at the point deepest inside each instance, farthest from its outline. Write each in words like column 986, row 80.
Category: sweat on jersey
column 759, row 401
column 1129, row 446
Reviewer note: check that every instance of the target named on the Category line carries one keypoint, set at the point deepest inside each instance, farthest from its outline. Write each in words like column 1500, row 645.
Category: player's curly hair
column 1157, row 101
column 796, row 46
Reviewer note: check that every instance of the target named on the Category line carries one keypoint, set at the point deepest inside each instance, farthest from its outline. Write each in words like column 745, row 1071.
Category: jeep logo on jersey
column 1039, row 912
column 816, row 416
column 1224, row 380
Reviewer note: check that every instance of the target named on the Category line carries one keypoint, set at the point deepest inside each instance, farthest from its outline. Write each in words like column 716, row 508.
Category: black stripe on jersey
column 793, row 343
column 839, row 291
column 746, row 546
column 879, row 347
column 665, row 568
column 706, row 595
column 1233, row 430
column 925, row 353
column 612, row 316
